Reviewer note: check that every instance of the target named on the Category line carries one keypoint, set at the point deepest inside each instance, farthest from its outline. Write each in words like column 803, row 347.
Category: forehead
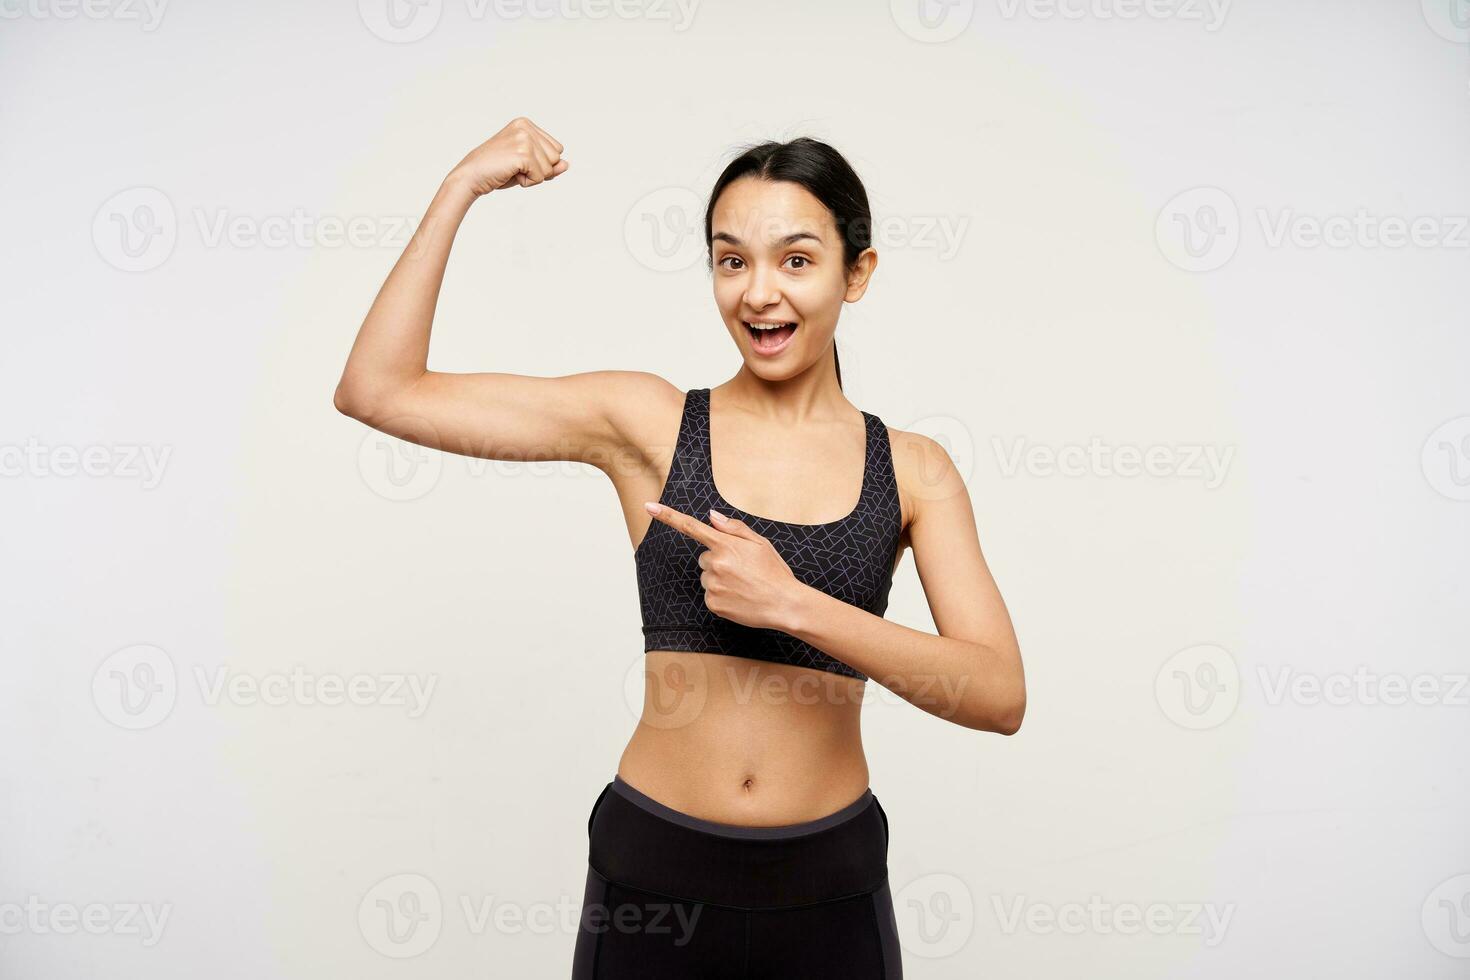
column 762, row 212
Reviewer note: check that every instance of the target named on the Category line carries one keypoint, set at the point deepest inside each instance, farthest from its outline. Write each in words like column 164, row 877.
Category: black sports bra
column 850, row 558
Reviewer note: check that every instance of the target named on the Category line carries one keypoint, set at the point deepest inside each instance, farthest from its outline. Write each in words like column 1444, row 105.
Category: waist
column 641, row 843
column 744, row 742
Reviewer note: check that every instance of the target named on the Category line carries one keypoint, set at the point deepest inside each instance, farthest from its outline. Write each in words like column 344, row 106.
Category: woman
column 738, row 836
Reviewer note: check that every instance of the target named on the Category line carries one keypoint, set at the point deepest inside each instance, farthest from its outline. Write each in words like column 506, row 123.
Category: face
column 777, row 259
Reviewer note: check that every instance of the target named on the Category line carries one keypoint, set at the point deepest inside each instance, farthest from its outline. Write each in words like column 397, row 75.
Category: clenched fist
column 522, row 153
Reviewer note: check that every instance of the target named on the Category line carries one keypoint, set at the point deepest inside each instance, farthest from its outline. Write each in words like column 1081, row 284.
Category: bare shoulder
column 640, row 405
column 643, row 410
column 925, row 472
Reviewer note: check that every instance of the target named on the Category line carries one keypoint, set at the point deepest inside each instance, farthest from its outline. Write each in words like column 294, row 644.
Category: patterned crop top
column 850, row 558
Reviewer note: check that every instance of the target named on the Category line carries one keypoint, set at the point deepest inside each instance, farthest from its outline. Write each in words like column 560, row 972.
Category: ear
column 861, row 275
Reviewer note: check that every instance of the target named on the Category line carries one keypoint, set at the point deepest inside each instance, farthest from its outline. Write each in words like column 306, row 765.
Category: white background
column 1036, row 291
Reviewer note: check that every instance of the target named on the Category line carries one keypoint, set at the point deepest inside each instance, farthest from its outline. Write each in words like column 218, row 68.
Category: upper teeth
column 759, row 325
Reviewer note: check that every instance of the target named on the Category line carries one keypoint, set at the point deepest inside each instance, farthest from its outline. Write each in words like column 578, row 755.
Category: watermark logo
column 664, row 692
column 136, row 687
column 1445, row 459
column 400, row 21
column 404, row 915
column 932, row 21
column 1198, row 687
column 936, row 915
column 955, row 438
column 401, row 916
column 1199, row 229
column 1201, row 686
column 135, row 230
column 1445, row 917
column 664, row 229
column 1450, row 19
column 400, row 469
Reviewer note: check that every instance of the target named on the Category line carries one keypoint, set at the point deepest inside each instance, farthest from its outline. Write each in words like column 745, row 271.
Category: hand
column 522, row 154
column 745, row 579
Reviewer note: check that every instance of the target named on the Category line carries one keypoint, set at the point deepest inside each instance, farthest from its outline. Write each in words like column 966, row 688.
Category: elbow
column 1009, row 722
column 1008, row 719
column 342, row 400
column 370, row 399
column 1015, row 704
column 348, row 403
column 354, row 401
column 995, row 714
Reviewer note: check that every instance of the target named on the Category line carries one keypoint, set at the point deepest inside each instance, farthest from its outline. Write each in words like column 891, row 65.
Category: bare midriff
column 746, row 742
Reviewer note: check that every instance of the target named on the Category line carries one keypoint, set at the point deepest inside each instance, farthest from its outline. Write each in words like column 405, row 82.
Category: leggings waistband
column 637, row 796
column 638, row 842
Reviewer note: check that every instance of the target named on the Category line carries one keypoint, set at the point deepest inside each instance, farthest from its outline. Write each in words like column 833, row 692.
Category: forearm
column 968, row 683
column 391, row 351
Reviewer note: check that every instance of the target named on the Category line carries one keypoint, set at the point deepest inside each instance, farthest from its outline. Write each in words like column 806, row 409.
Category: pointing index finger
column 679, row 521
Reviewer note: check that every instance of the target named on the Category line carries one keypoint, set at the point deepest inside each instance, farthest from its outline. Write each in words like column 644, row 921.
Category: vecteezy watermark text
column 137, row 688
column 406, row 21
column 1210, row 13
column 121, row 461
column 1208, row 464
column 136, row 230
column 1200, row 230
column 404, row 914
column 148, row 13
column 38, row 917
column 1100, row 917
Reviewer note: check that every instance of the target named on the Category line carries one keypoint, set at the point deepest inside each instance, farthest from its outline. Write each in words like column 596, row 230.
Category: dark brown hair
column 824, row 172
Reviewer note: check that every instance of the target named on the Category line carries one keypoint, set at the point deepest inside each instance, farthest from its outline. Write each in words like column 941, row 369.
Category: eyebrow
column 788, row 240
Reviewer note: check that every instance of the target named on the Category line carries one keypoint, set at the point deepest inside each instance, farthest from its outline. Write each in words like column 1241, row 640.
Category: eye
column 729, row 258
column 802, row 259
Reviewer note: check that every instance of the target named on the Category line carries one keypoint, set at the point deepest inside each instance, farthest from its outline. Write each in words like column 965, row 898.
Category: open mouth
column 770, row 338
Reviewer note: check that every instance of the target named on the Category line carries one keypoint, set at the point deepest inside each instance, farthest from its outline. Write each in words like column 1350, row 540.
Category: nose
column 761, row 289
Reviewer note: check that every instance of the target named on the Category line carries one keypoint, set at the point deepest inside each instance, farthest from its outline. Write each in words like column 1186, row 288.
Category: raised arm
column 386, row 383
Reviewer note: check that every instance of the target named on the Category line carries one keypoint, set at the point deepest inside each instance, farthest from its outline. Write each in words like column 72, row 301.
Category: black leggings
column 670, row 895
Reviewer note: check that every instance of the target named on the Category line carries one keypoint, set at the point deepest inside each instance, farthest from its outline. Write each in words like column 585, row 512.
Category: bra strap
column 696, row 445
column 691, row 452
column 881, row 478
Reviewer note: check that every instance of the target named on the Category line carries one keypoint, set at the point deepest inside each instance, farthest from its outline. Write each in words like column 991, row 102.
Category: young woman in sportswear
column 739, row 836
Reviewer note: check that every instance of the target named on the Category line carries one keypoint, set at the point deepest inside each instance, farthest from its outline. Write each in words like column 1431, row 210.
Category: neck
column 811, row 394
